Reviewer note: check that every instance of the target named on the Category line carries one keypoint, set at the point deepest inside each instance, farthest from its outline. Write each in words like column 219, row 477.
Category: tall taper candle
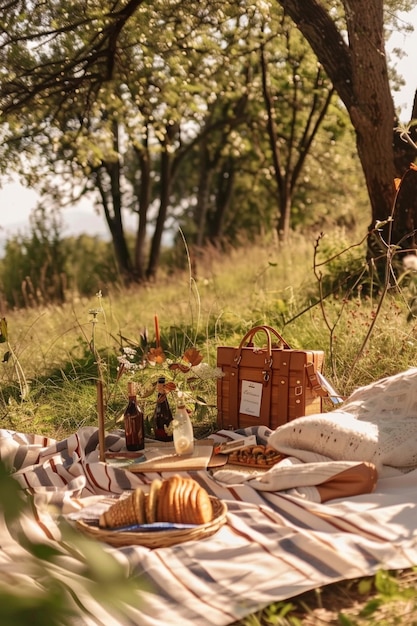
column 157, row 333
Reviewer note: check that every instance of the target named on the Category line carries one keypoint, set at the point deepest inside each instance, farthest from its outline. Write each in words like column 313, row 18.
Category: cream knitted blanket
column 378, row 424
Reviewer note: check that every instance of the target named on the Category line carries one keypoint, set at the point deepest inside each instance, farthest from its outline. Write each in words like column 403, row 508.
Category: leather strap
column 267, row 372
column 314, row 381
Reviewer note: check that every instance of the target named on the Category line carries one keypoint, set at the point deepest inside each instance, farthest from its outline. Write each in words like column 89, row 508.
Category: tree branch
column 87, row 68
column 320, row 30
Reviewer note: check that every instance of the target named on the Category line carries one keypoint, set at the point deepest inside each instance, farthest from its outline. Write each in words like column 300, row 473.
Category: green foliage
column 386, row 598
column 393, row 602
column 10, row 356
column 32, row 270
column 340, row 267
column 11, row 493
column 90, row 264
column 178, row 134
column 41, row 267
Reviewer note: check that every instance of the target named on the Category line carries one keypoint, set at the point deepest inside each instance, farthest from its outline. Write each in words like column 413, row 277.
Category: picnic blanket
column 280, row 539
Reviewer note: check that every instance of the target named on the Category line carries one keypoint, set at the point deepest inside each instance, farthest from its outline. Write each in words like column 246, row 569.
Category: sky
column 17, row 202
column 406, row 66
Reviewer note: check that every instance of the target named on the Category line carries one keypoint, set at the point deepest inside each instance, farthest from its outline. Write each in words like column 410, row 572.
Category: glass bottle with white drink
column 183, row 430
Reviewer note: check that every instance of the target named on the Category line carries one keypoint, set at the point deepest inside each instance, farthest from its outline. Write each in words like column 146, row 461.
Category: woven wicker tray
column 160, row 538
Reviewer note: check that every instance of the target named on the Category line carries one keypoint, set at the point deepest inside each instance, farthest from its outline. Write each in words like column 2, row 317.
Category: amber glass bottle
column 162, row 416
column 133, row 421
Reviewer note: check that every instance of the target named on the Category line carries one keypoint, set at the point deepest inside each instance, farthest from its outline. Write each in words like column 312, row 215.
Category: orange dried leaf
column 170, row 386
column 180, row 366
column 193, row 356
column 156, row 355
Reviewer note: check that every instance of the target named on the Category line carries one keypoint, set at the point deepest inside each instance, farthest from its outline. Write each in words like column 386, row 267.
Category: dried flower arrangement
column 185, row 373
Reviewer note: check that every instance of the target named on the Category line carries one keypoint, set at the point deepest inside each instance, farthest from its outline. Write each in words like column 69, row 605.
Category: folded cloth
column 353, row 481
column 319, row 481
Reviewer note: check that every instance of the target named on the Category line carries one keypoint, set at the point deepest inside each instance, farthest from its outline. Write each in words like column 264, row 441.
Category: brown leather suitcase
column 267, row 385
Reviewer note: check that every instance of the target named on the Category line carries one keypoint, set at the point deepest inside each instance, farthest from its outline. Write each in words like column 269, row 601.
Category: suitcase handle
column 268, row 330
column 246, row 341
column 310, row 369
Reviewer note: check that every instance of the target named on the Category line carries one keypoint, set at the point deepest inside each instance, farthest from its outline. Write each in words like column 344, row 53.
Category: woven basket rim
column 158, row 539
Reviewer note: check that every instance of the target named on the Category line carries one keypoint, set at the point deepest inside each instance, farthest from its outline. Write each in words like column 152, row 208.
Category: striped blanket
column 275, row 545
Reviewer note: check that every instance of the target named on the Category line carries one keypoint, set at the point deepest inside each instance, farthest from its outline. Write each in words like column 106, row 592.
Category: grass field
column 53, row 357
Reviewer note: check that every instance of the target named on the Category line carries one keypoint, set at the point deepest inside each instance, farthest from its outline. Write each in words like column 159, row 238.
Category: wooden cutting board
column 162, row 458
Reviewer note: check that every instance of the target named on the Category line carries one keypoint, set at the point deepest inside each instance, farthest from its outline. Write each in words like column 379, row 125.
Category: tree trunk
column 107, row 181
column 156, row 242
column 167, row 169
column 115, row 227
column 283, row 221
column 144, row 196
column 205, row 178
column 358, row 70
column 288, row 167
column 284, row 218
column 226, row 178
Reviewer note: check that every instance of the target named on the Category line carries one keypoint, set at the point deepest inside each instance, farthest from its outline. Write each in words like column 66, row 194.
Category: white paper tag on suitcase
column 250, row 399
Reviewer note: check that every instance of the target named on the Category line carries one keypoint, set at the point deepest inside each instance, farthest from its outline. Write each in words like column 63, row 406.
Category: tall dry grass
column 227, row 294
